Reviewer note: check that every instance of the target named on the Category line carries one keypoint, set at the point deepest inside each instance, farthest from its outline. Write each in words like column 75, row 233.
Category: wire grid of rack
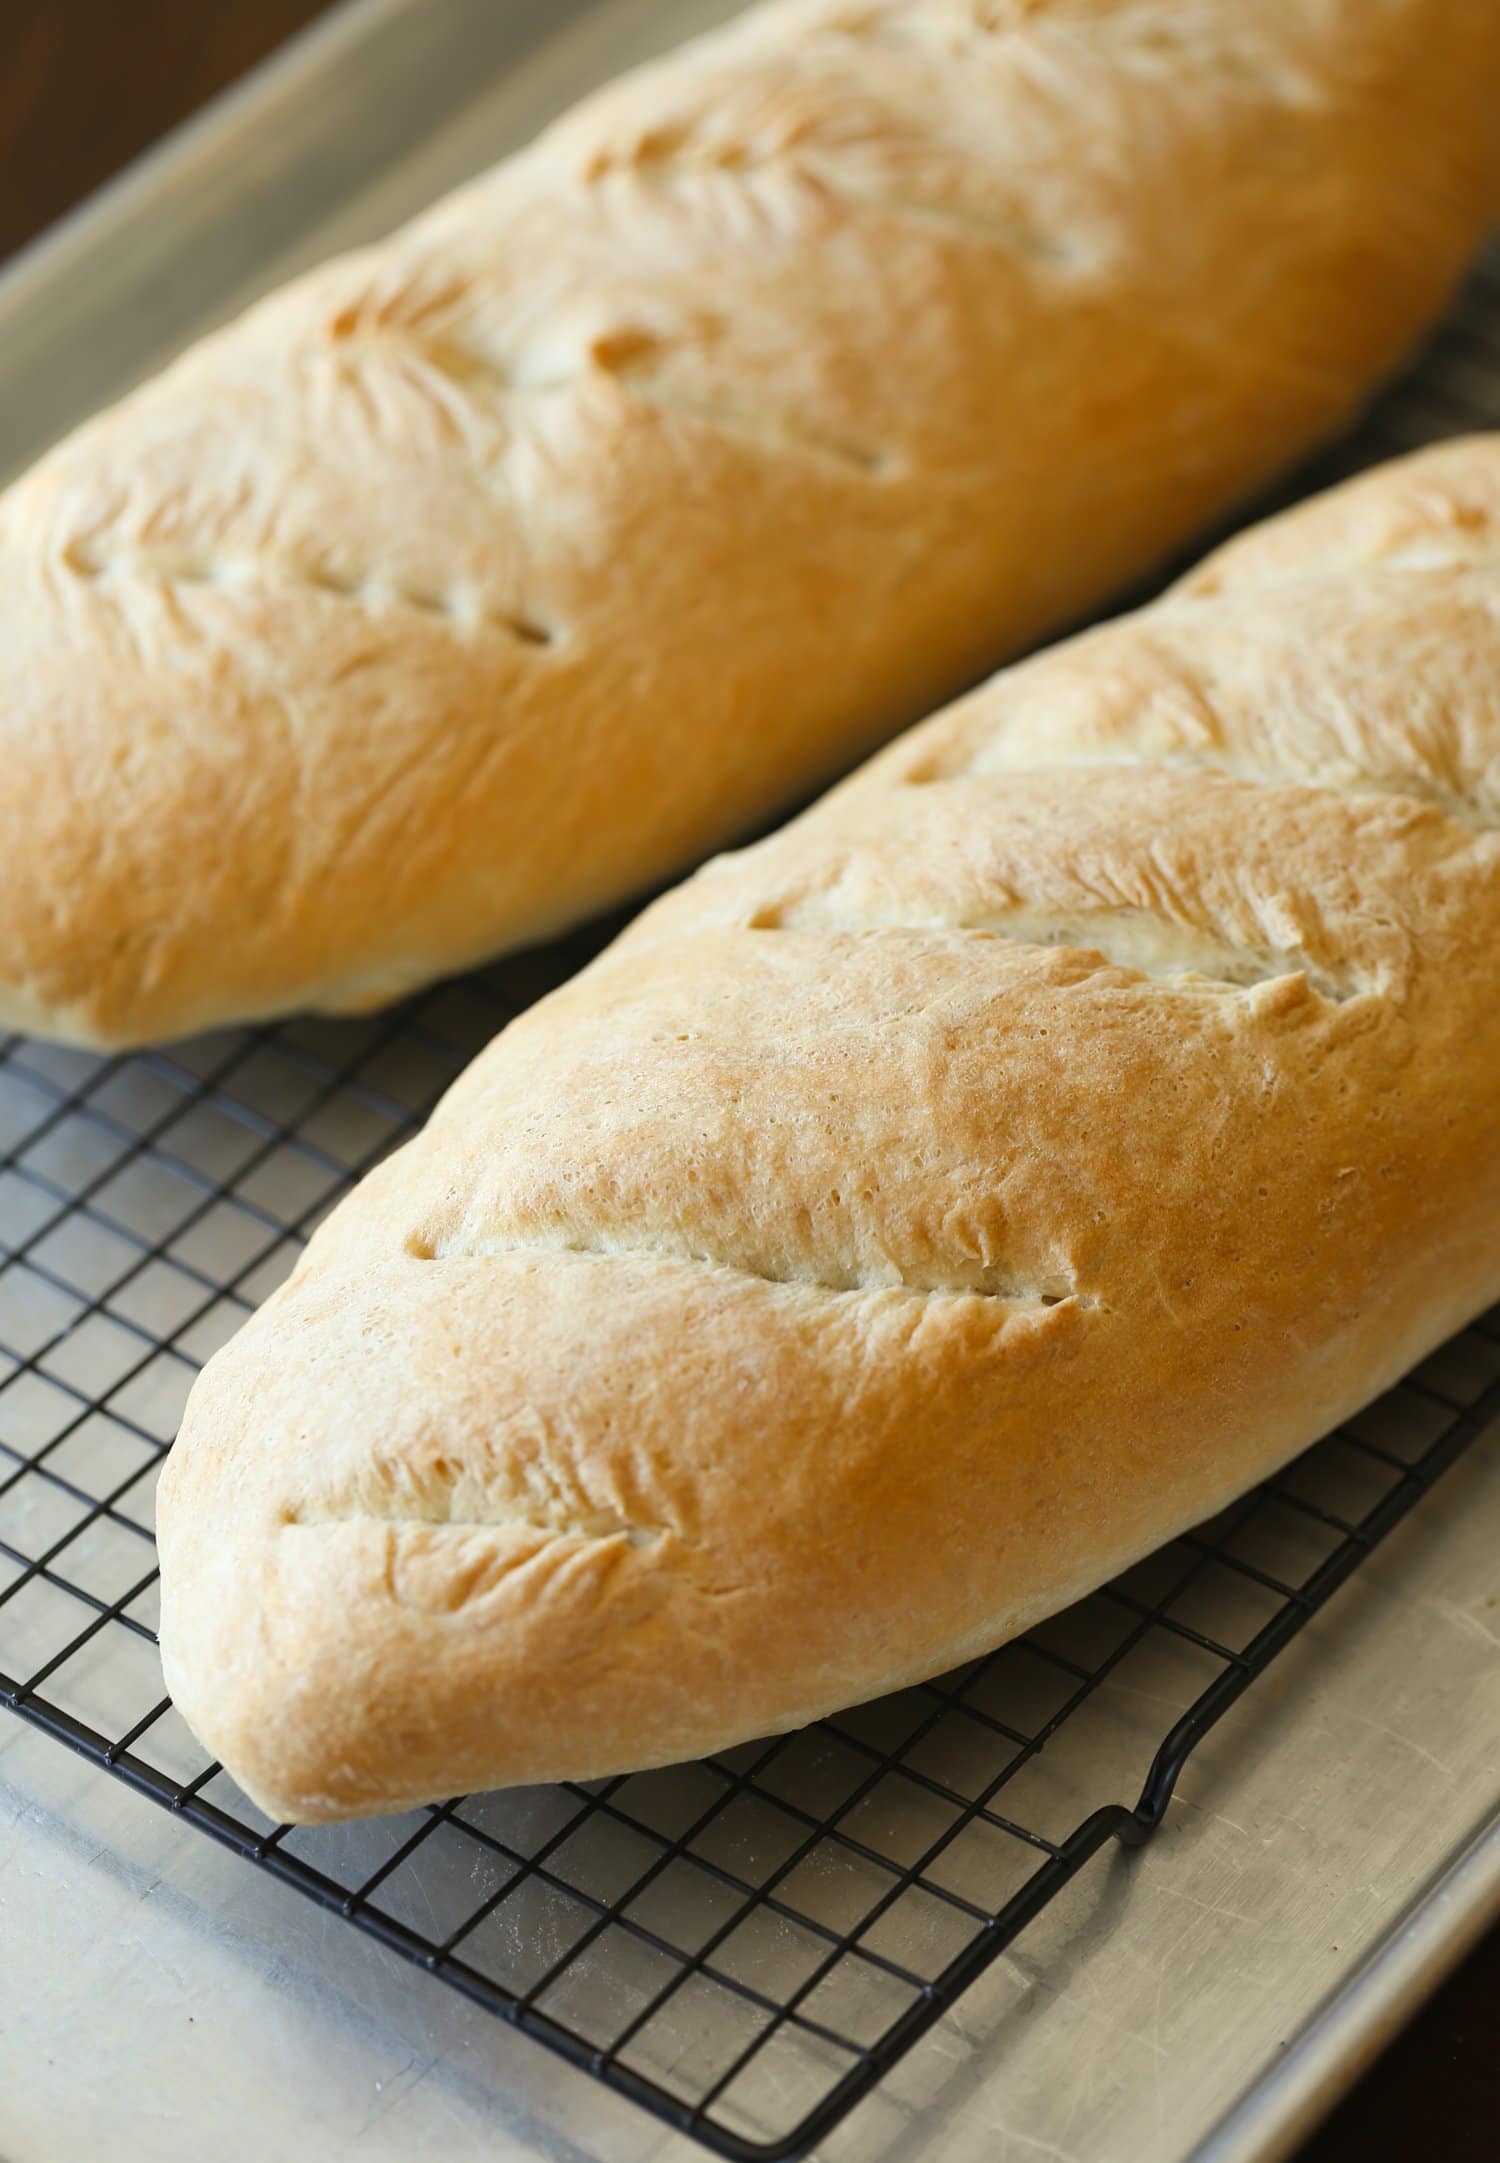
column 745, row 1945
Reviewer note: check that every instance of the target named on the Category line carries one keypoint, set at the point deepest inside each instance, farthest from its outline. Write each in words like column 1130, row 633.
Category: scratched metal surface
column 1334, row 1842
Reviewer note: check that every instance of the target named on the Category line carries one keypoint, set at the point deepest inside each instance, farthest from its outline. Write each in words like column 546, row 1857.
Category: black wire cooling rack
column 746, row 1945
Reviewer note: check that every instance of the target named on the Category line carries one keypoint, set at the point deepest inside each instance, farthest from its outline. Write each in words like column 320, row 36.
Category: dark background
column 84, row 85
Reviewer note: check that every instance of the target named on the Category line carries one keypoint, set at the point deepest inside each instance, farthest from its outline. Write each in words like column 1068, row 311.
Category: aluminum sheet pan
column 1334, row 1845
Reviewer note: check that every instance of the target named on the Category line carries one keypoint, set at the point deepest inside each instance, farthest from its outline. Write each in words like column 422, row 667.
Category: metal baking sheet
column 1334, row 1844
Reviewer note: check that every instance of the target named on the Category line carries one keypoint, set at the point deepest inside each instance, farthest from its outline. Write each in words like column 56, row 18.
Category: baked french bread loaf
column 910, row 1220
column 485, row 576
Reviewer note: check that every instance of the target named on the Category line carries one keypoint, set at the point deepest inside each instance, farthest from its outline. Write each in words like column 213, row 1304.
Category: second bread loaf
column 910, row 1220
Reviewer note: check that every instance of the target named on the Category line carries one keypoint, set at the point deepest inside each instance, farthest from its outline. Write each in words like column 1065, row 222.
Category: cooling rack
column 744, row 1946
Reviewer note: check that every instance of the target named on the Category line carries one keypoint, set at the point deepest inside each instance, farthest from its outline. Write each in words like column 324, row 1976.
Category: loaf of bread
column 481, row 578
column 911, row 1220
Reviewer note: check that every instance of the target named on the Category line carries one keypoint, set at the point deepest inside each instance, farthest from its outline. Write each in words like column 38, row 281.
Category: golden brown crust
column 909, row 1220
column 483, row 577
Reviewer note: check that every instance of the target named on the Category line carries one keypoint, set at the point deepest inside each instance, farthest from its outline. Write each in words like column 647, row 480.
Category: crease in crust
column 1476, row 808
column 1155, row 947
column 1463, row 807
column 661, row 151
column 615, row 354
column 770, row 432
column 442, row 1492
column 986, row 1283
column 597, row 1525
column 1435, row 553
column 200, row 567
column 958, row 221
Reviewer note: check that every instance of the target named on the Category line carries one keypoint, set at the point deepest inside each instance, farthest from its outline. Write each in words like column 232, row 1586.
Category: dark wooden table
column 84, row 85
